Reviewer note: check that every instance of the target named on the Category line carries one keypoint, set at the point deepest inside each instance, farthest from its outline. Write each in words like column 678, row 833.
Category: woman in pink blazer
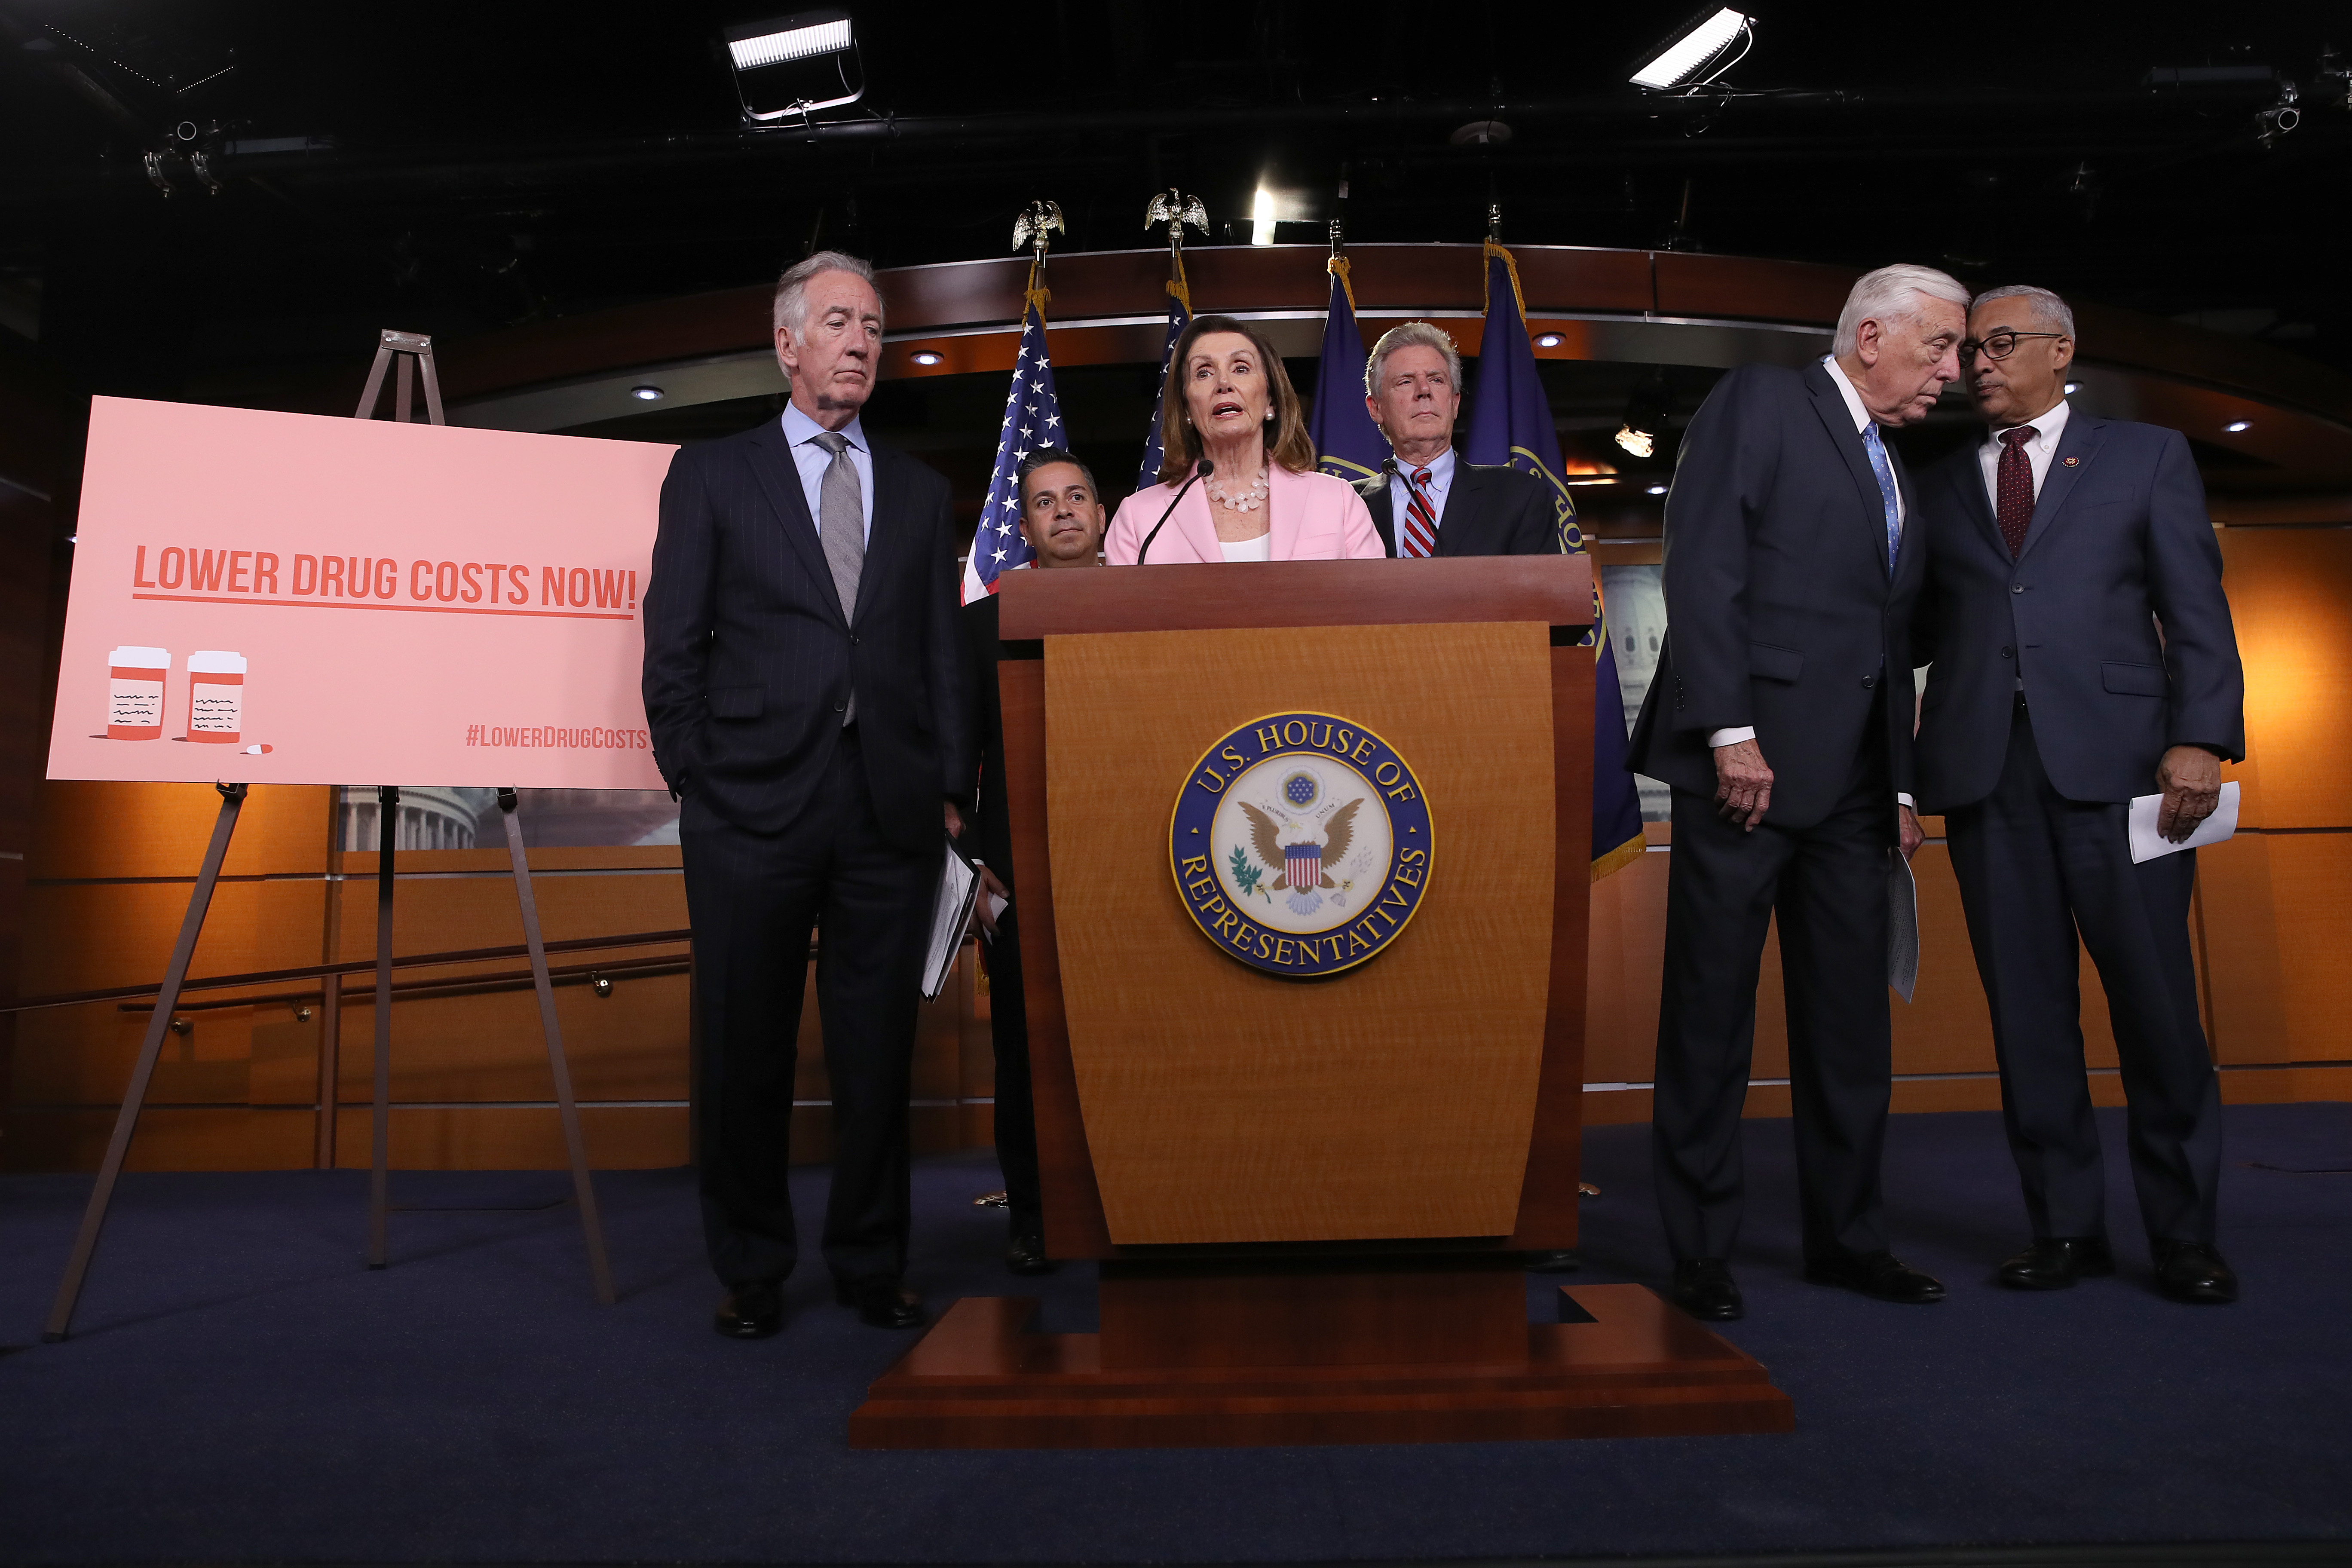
column 1263, row 499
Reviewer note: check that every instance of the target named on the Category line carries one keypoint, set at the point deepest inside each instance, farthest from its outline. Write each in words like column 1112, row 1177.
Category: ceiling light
column 646, row 394
column 1261, row 217
column 1646, row 414
column 1657, row 489
column 799, row 62
column 2238, row 426
column 928, row 356
column 2072, row 387
column 1640, row 443
column 1694, row 56
column 1549, row 340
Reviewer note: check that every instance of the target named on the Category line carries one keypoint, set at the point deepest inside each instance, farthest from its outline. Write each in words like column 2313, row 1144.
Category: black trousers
column 753, row 899
column 1827, row 884
column 1016, row 1115
column 2034, row 869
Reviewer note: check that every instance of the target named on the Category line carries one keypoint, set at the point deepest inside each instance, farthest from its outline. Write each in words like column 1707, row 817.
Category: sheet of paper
column 2147, row 844
column 950, row 913
column 1903, row 927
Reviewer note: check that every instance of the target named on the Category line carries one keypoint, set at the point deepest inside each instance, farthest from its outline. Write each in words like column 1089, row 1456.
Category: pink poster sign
column 283, row 598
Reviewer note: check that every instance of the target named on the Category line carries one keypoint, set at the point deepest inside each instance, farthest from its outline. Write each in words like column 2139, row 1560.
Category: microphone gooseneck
column 1201, row 470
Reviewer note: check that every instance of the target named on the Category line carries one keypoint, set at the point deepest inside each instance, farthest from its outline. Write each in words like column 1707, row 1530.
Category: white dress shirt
column 1258, row 549
column 1441, row 483
column 813, row 460
column 2039, row 452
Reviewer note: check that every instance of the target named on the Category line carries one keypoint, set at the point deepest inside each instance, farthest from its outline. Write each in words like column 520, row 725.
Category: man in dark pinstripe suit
column 804, row 683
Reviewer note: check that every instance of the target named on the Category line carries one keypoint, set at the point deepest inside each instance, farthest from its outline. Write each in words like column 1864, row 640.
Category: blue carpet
column 238, row 1389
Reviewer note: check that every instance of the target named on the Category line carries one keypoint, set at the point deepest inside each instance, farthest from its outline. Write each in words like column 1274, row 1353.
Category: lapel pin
column 2071, row 461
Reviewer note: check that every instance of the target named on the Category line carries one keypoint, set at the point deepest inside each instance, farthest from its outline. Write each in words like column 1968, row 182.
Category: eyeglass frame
column 1972, row 347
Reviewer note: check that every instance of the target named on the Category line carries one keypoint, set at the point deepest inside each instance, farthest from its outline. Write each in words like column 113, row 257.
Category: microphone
column 1201, row 470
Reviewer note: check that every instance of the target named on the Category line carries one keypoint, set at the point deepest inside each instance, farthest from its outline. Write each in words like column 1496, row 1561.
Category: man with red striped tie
column 1437, row 504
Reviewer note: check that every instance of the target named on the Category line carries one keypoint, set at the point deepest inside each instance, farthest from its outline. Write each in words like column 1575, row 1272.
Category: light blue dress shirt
column 813, row 460
column 1441, row 483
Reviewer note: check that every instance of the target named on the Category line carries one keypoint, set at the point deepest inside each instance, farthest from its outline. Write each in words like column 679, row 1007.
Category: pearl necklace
column 1250, row 501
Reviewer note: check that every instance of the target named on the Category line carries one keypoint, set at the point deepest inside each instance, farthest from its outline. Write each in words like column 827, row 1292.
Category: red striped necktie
column 1420, row 518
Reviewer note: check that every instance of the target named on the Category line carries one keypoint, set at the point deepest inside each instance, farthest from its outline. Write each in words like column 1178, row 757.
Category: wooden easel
column 414, row 351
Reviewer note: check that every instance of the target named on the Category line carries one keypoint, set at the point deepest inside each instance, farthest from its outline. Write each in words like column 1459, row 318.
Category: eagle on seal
column 1266, row 838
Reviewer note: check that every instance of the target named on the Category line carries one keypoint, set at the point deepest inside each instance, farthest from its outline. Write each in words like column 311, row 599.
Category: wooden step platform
column 1627, row 1365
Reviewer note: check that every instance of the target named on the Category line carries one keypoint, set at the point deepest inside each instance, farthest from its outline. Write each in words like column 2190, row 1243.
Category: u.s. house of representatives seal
column 1301, row 844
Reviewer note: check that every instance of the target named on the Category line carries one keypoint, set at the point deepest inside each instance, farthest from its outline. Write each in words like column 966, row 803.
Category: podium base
column 1631, row 1366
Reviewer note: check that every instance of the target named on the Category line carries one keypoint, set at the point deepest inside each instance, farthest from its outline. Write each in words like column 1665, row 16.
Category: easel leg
column 175, row 974
column 582, row 1190
column 387, row 811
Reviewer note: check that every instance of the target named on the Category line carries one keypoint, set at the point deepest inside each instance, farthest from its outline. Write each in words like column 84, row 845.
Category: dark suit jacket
column 749, row 659
column 1780, row 611
column 988, row 833
column 2119, row 535
column 1489, row 510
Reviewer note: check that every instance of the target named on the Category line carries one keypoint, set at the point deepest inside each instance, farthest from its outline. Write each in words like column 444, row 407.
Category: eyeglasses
column 2001, row 345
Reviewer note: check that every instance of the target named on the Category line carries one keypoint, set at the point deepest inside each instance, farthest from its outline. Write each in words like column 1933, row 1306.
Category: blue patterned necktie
column 1886, row 472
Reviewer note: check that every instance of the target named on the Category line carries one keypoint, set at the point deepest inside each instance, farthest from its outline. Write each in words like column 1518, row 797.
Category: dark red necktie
column 1420, row 522
column 2013, row 485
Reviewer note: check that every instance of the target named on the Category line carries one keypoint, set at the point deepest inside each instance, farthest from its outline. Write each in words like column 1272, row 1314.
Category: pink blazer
column 1312, row 517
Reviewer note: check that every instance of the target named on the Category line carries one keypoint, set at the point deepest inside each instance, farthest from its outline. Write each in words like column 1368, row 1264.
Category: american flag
column 1179, row 316
column 1032, row 418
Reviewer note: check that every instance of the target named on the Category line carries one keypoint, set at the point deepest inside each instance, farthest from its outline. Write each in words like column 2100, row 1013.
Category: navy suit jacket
column 2119, row 535
column 749, row 660
column 1781, row 612
column 1490, row 510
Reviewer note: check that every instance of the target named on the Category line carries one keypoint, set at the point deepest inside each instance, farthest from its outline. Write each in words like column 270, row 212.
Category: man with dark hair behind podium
column 804, row 682
column 1062, row 518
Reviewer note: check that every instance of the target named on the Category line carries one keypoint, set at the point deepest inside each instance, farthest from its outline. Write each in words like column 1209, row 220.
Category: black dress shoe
column 885, row 1304
column 1879, row 1275
column 2192, row 1271
column 1025, row 1254
column 2055, row 1262
column 1559, row 1260
column 1704, row 1288
column 754, row 1310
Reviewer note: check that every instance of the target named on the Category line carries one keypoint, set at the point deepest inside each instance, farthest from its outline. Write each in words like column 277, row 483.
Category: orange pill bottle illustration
column 134, row 697
column 216, row 697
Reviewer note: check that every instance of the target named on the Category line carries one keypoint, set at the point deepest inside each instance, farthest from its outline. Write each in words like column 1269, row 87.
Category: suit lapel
column 1967, row 476
column 2076, row 448
column 780, row 478
column 1286, row 498
column 1384, row 511
column 1830, row 405
column 886, row 536
column 1458, row 525
column 1198, row 523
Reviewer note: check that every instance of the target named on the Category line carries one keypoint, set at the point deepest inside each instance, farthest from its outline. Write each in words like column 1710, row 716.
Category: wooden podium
column 1308, row 1195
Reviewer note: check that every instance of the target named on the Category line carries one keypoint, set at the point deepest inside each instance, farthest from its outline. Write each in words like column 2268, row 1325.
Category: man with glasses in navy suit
column 2083, row 654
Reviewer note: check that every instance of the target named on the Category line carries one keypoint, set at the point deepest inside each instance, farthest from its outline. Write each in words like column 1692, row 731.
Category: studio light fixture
column 1261, row 217
column 646, row 394
column 2238, row 426
column 2072, row 387
column 1699, row 53
column 1646, row 413
column 927, row 357
column 1657, row 489
column 1549, row 340
column 799, row 63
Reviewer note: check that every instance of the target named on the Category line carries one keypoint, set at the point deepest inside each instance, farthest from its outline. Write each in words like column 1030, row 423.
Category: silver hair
column 2051, row 310
column 791, row 289
column 1413, row 335
column 1887, row 295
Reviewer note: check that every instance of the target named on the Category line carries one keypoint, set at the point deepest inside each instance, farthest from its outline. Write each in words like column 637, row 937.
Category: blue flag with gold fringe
column 1348, row 445
column 1179, row 316
column 1511, row 423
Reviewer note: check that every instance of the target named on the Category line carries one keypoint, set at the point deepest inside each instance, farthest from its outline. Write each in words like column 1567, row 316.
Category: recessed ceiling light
column 2238, row 427
column 646, row 394
column 927, row 357
column 1657, row 489
column 2072, row 387
column 1549, row 340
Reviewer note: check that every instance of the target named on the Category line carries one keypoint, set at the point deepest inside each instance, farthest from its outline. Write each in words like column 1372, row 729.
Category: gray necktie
column 841, row 525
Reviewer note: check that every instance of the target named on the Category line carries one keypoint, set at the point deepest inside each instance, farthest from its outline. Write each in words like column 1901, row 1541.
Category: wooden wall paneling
column 977, row 1078
column 2245, row 972
column 516, row 1138
column 2291, row 596
column 85, row 936
column 89, row 830
column 488, row 1045
column 170, row 1138
column 1228, row 1105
